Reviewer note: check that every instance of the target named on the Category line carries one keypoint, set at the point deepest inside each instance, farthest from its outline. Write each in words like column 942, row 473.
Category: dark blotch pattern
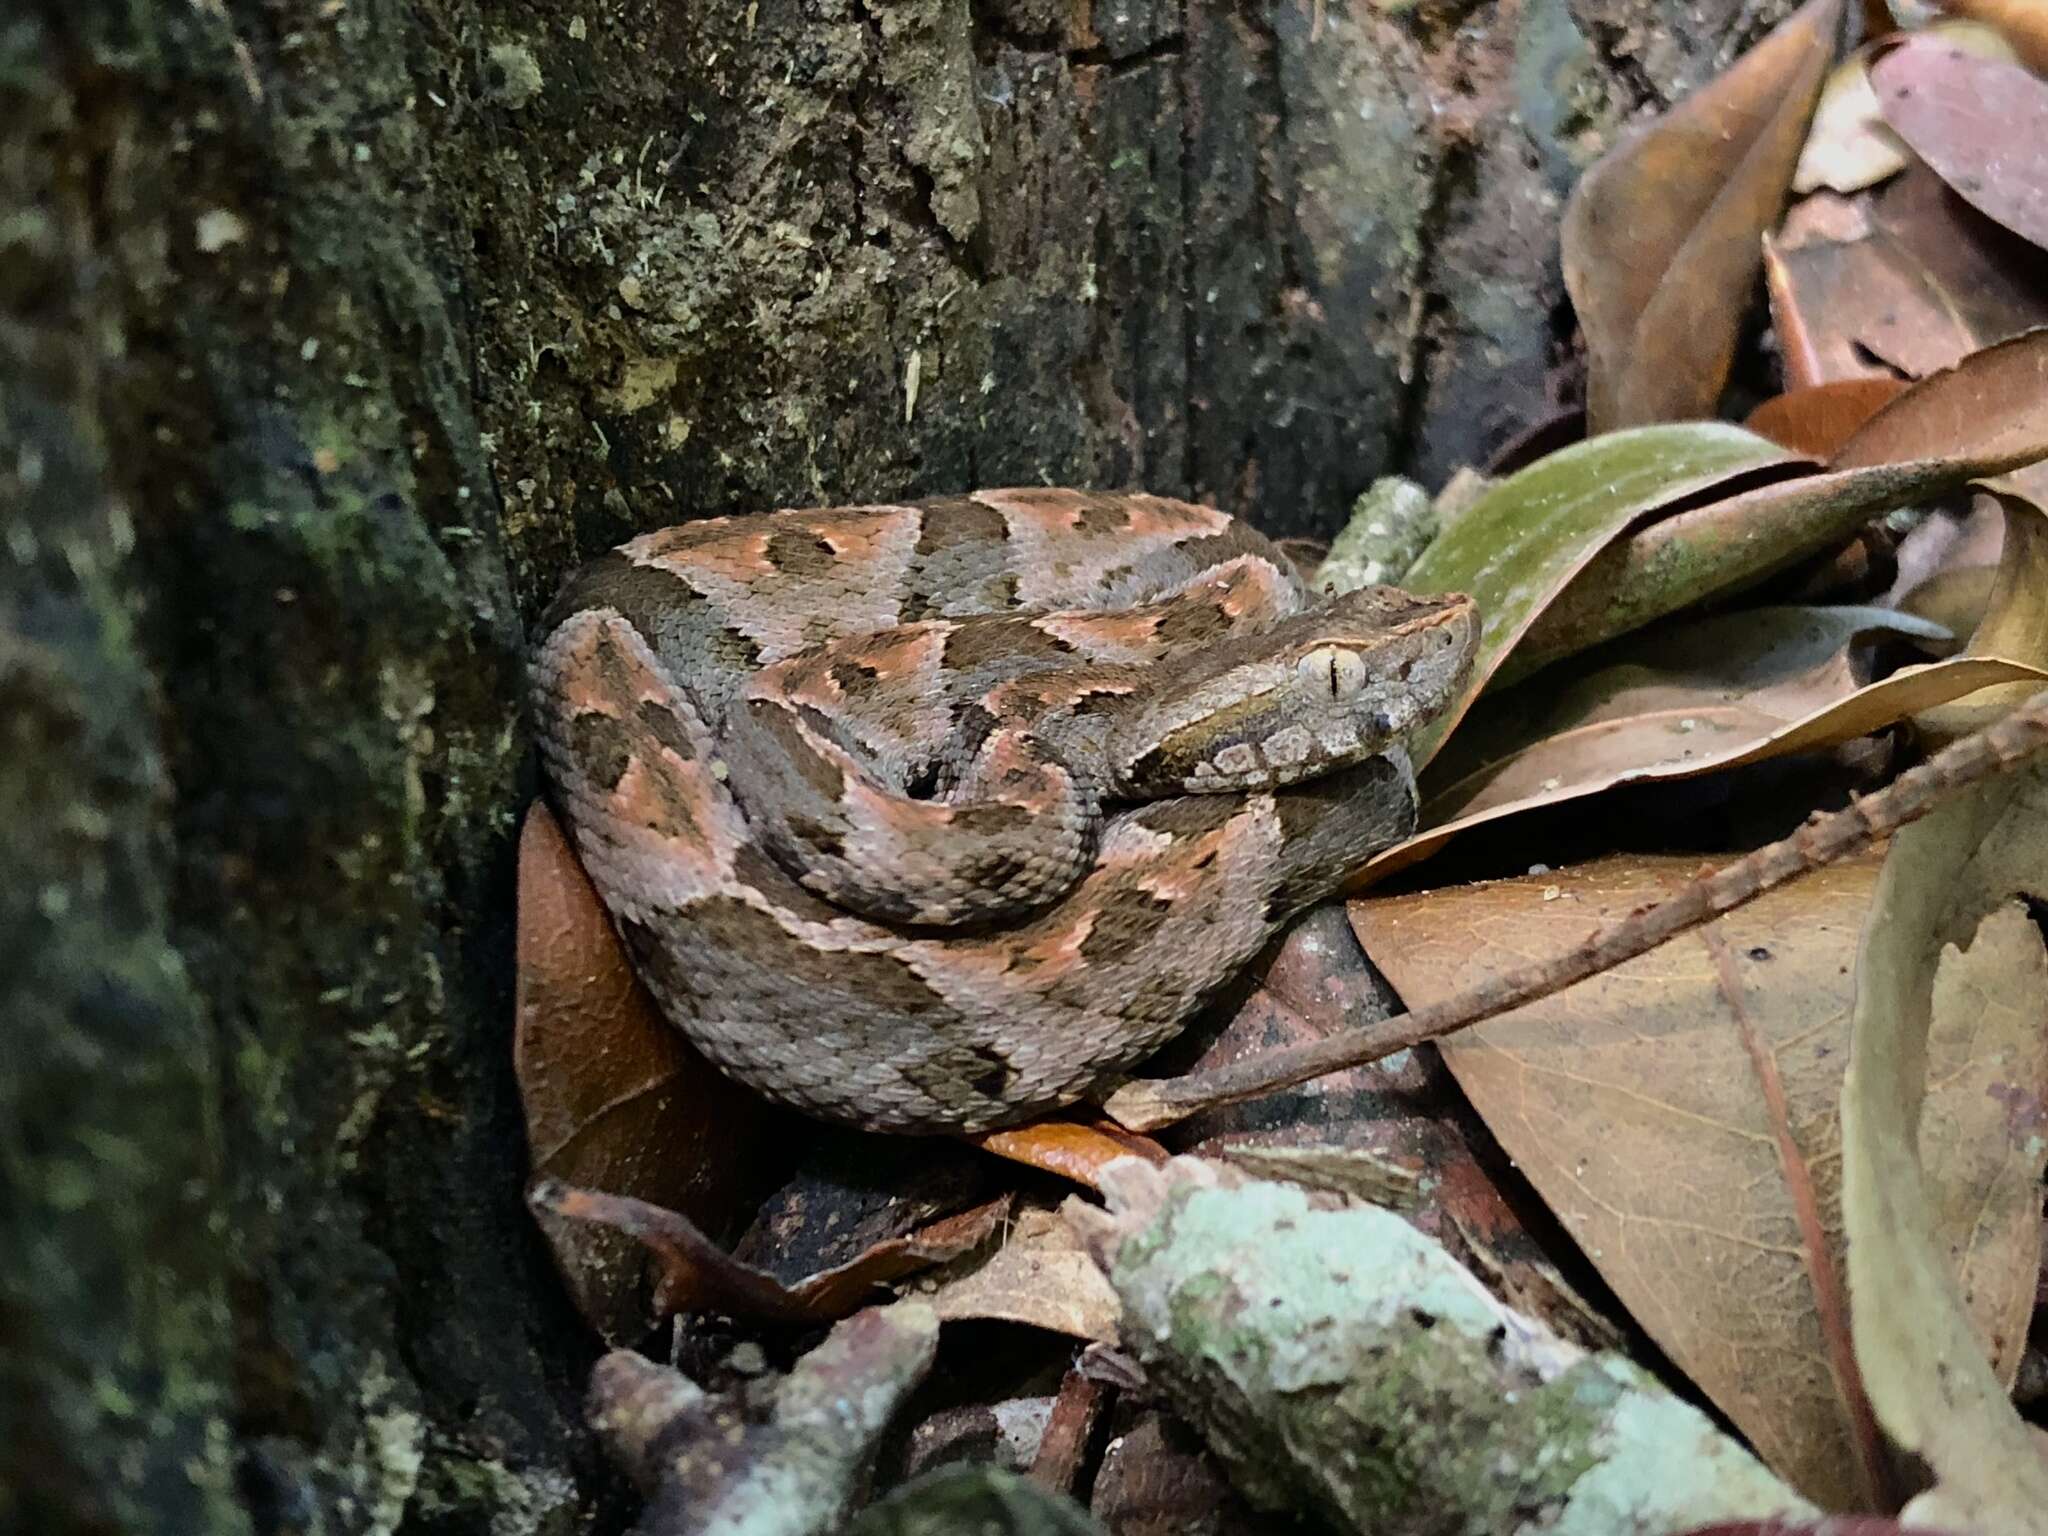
column 664, row 727
column 833, row 978
column 1193, row 623
column 855, row 679
column 774, row 722
column 1127, row 921
column 980, row 643
column 799, row 554
column 602, row 745
column 960, row 520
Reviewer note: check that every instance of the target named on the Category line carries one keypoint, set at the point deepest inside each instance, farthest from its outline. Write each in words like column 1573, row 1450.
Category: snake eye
column 1332, row 672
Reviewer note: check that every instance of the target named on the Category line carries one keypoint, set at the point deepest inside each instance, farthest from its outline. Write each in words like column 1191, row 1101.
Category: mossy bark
column 332, row 332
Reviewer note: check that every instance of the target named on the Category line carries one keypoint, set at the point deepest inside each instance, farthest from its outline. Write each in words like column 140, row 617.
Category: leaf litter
column 1663, row 1160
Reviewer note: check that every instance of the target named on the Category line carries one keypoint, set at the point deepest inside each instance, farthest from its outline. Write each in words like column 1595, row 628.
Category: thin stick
column 1146, row 1104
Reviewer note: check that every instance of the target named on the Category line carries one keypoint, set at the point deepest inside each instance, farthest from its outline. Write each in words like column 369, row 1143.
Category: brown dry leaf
column 1639, row 1105
column 1907, row 281
column 2023, row 23
column 1041, row 1275
column 1985, row 416
column 1981, row 123
column 1947, row 947
column 1069, row 1148
column 1661, row 235
column 615, row 1099
column 696, row 1275
column 1817, row 420
column 1699, row 698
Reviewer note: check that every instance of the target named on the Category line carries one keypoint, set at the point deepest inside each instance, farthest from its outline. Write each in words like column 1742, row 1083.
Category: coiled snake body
column 929, row 817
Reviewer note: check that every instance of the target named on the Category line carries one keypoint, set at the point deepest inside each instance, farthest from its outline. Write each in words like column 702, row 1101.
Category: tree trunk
column 332, row 332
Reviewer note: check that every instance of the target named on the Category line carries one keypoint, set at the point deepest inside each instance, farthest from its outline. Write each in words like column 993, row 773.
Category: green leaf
column 1521, row 543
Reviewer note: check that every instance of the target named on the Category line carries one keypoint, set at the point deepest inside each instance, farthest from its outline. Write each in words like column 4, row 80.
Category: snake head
column 1317, row 692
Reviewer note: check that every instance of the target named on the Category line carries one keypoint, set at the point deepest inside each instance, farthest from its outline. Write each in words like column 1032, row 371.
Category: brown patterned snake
column 840, row 777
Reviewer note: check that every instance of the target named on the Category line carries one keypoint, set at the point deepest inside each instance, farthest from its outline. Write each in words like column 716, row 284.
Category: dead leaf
column 2023, row 23
column 696, row 1275
column 1945, row 947
column 615, row 1099
column 2015, row 620
column 1069, row 1148
column 1817, row 420
column 1848, row 147
column 1670, row 702
column 1690, row 699
column 1906, row 281
column 1981, row 123
column 1661, row 235
column 1634, row 1105
column 1040, row 1276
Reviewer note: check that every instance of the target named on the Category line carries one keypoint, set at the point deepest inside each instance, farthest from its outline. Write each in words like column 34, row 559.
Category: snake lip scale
column 929, row 817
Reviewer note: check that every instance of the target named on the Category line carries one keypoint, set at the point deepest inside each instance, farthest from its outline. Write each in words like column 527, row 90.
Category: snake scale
column 929, row 817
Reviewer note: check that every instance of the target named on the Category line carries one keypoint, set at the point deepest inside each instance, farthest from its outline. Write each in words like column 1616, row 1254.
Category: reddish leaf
column 615, row 1099
column 1981, row 123
column 1069, row 1148
column 1817, row 420
column 1661, row 237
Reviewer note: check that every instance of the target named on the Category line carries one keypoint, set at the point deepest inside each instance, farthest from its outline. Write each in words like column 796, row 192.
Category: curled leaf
column 1985, row 416
column 1944, row 917
column 696, row 1275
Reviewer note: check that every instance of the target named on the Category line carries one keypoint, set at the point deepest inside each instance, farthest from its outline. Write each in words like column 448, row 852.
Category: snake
column 932, row 817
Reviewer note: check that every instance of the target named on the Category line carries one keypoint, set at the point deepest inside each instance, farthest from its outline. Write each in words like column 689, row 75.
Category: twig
column 1145, row 1105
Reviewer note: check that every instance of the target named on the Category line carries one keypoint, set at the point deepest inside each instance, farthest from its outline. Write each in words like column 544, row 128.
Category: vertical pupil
column 1333, row 674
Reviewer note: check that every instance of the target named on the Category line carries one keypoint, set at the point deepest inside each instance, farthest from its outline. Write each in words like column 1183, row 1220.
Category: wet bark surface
column 332, row 332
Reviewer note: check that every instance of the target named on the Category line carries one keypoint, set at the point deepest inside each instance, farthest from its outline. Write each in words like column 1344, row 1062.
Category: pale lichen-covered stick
column 1341, row 1362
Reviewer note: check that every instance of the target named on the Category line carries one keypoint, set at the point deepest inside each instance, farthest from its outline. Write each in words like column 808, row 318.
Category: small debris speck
column 218, row 228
